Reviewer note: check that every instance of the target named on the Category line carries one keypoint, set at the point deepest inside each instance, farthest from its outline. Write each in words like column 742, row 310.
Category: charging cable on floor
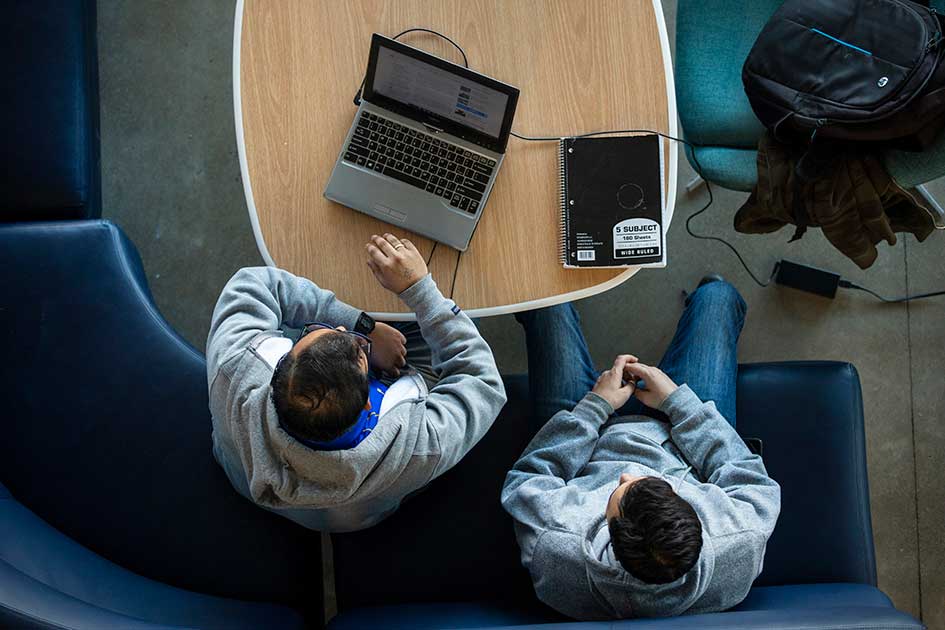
column 846, row 284
column 787, row 273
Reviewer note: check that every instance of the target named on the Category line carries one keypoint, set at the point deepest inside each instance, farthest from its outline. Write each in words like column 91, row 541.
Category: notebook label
column 637, row 238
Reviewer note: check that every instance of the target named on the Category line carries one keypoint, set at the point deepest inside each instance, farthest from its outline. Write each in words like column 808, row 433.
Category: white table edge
column 241, row 141
column 492, row 310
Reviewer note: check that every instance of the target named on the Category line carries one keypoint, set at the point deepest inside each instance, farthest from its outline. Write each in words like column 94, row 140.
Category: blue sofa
column 448, row 558
column 113, row 513
column 49, row 121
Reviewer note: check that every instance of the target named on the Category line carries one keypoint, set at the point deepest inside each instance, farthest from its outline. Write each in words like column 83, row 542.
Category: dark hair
column 658, row 536
column 320, row 392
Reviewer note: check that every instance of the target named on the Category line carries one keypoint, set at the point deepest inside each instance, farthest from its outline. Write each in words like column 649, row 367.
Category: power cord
column 432, row 251
column 455, row 272
column 846, row 284
column 357, row 96
column 357, row 101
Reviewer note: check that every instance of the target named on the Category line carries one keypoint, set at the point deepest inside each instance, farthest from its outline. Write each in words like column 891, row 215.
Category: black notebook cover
column 612, row 202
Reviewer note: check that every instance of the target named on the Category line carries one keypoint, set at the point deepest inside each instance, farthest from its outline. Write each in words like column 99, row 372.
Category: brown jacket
column 856, row 203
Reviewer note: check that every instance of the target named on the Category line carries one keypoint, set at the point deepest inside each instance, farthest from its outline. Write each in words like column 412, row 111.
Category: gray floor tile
column 170, row 173
column 927, row 322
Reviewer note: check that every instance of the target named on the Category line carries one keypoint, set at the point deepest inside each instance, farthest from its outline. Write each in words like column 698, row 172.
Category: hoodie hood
column 298, row 476
column 626, row 596
column 558, row 491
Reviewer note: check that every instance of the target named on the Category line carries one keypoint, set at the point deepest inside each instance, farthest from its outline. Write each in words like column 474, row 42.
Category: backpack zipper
column 936, row 38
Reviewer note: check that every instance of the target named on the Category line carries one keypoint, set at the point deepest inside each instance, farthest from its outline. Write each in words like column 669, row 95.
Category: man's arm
column 713, row 447
column 258, row 299
column 469, row 394
column 554, row 457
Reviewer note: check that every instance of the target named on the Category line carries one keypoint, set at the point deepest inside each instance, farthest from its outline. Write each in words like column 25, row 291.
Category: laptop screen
column 437, row 92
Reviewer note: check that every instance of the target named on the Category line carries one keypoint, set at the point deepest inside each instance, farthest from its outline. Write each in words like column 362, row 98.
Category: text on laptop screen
column 419, row 84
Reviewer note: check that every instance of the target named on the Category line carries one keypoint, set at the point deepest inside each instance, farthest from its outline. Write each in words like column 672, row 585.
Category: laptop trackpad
column 394, row 215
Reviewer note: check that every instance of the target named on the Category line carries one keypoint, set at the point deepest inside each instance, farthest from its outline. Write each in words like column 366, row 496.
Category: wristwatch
column 365, row 324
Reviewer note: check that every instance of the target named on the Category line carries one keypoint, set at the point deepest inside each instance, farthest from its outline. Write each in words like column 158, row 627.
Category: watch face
column 365, row 324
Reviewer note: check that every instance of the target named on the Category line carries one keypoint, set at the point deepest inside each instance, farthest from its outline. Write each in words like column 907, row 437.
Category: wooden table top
column 580, row 66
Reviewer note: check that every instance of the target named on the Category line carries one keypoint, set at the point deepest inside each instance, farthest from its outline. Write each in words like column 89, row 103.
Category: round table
column 580, row 66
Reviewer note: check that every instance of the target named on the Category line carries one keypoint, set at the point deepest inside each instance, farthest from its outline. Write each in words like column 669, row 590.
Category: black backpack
column 849, row 70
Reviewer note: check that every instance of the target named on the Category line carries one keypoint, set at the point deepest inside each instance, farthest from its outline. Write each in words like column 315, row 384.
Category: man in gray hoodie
column 307, row 428
column 660, row 509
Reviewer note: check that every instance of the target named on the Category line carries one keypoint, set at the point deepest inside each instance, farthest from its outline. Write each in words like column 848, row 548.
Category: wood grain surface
column 581, row 66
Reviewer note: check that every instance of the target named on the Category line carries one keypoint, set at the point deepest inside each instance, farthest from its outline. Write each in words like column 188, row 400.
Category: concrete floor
column 171, row 180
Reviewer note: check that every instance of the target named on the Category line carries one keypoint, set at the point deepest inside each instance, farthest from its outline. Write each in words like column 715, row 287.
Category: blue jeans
column 702, row 354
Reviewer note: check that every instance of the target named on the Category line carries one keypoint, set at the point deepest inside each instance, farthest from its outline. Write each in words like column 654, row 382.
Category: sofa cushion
column 470, row 617
column 436, row 615
column 49, row 157
column 810, row 417
column 47, row 580
column 452, row 541
column 813, row 596
column 489, row 614
column 825, row 535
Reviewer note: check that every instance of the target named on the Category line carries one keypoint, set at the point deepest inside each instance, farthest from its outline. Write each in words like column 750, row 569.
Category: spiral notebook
column 612, row 202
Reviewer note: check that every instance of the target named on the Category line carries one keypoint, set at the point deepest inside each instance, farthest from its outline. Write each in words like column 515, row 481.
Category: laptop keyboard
column 421, row 160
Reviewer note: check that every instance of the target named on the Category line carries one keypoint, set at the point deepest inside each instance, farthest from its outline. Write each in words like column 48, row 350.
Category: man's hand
column 611, row 385
column 396, row 263
column 658, row 385
column 388, row 352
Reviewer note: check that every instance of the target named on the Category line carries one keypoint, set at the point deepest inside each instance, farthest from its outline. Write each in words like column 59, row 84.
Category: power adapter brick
column 806, row 278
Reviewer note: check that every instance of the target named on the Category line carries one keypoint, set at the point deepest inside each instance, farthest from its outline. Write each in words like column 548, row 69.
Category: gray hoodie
column 558, row 491
column 413, row 443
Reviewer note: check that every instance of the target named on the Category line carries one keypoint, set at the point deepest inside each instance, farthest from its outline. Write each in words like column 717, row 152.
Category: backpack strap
column 816, row 162
column 799, row 211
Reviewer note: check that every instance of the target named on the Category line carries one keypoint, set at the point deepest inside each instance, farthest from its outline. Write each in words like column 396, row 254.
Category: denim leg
column 704, row 351
column 560, row 371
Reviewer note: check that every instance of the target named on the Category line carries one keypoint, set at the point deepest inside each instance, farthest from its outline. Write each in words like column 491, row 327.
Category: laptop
column 426, row 144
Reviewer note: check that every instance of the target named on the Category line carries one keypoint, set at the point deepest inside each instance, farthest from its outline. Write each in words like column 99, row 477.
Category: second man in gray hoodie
column 658, row 510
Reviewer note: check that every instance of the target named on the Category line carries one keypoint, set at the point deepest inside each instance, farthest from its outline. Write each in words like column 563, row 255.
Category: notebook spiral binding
column 563, row 242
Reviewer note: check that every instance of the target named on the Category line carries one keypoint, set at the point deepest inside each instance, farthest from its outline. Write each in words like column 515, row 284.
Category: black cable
column 695, row 159
column 455, row 272
column 357, row 101
column 455, row 269
column 357, row 96
column 846, row 284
